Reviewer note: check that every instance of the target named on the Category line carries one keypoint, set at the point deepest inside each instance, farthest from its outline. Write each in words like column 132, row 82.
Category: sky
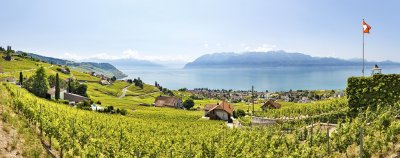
column 182, row 30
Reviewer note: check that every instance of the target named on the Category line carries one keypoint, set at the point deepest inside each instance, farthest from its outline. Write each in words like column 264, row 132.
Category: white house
column 52, row 93
column 219, row 111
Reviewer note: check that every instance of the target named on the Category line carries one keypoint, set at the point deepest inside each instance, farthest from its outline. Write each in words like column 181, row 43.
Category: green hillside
column 148, row 131
column 100, row 68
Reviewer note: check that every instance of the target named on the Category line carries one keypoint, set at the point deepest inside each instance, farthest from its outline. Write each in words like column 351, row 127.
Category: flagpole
column 363, row 56
column 363, row 53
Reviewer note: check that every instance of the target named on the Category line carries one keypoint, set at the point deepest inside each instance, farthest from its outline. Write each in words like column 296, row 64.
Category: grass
column 81, row 76
column 20, row 64
column 137, row 91
column 28, row 140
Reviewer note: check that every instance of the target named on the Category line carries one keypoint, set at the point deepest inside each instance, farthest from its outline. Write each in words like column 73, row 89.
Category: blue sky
column 180, row 31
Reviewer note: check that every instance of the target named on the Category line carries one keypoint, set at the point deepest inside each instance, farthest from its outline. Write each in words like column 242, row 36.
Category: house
column 96, row 107
column 164, row 101
column 103, row 77
column 304, row 100
column 52, row 93
column 93, row 73
column 104, row 82
column 74, row 97
column 339, row 94
column 65, row 71
column 270, row 104
column 219, row 111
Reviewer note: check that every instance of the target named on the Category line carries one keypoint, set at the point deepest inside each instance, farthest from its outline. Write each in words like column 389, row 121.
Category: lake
column 271, row 78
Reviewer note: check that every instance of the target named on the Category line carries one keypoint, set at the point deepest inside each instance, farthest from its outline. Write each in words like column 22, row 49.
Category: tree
column 21, row 78
column 69, row 86
column 67, row 68
column 182, row 89
column 9, row 52
column 129, row 81
column 81, row 90
column 188, row 104
column 57, row 87
column 52, row 80
column 85, row 105
column 8, row 56
column 113, row 79
column 40, row 84
column 239, row 113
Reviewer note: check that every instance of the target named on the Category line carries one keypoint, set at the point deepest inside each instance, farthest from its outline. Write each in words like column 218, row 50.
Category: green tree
column 239, row 113
column 113, row 78
column 81, row 90
column 21, row 78
column 8, row 56
column 188, row 104
column 69, row 86
column 40, row 84
column 57, row 87
column 52, row 80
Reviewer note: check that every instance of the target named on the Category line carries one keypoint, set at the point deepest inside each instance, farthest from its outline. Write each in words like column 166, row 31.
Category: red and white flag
column 366, row 27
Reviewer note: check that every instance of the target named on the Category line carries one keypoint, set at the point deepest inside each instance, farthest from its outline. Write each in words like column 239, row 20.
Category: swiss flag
column 366, row 27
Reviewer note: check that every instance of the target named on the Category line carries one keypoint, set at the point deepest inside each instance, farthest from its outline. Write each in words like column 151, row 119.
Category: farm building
column 52, row 93
column 219, row 111
column 172, row 102
column 104, row 82
column 270, row 104
column 74, row 97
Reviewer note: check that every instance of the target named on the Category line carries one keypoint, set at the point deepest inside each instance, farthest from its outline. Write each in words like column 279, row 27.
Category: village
column 219, row 110
column 217, row 104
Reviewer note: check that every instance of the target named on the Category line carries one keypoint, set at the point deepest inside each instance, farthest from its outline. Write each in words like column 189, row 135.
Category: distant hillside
column 100, row 68
column 127, row 62
column 271, row 59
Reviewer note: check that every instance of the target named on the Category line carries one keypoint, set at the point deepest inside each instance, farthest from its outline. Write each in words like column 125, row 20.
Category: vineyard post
column 61, row 152
column 361, row 142
column 170, row 153
column 311, row 132
column 190, row 155
column 327, row 138
column 40, row 117
column 138, row 153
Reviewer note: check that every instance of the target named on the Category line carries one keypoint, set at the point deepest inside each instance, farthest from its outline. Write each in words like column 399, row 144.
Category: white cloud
column 130, row 54
column 263, row 48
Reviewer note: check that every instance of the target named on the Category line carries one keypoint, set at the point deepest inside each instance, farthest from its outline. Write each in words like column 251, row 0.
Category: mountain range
column 272, row 59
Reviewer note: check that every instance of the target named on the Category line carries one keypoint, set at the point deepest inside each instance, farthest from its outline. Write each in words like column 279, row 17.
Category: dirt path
column 9, row 140
column 124, row 92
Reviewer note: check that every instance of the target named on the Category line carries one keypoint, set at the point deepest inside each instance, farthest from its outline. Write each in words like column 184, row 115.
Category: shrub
column 123, row 111
column 188, row 104
column 239, row 113
column 372, row 91
column 85, row 105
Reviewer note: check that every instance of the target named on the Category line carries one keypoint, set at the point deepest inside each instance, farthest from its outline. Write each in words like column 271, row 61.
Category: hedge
column 373, row 91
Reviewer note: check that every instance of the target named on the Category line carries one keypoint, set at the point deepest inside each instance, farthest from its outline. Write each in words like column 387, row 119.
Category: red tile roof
column 223, row 105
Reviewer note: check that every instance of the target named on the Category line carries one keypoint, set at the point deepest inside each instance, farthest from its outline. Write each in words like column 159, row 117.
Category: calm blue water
column 272, row 79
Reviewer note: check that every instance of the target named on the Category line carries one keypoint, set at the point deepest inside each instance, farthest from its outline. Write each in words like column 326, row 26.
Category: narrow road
column 124, row 92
